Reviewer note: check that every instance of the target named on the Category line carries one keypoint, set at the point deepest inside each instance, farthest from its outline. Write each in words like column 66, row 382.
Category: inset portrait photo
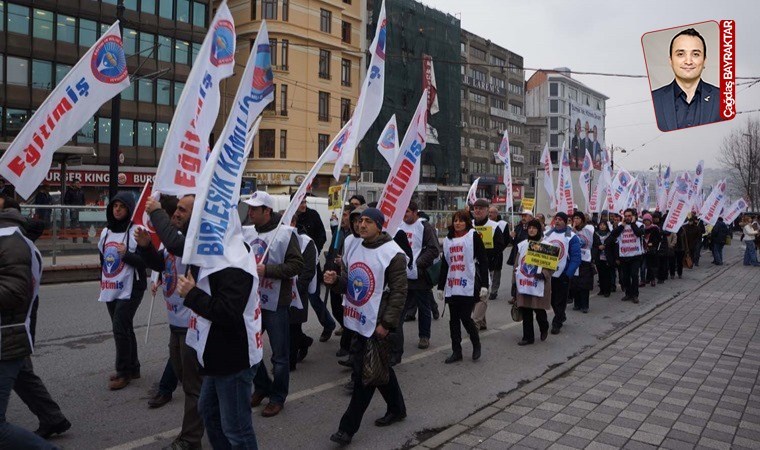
column 683, row 65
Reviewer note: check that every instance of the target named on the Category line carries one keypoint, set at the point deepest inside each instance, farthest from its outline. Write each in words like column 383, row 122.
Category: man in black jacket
column 519, row 234
column 310, row 223
column 495, row 243
column 74, row 197
column 718, row 235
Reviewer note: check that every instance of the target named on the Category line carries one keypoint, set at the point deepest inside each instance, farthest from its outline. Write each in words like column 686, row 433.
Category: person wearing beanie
column 582, row 282
column 560, row 235
column 603, row 267
column 652, row 238
column 374, row 283
column 533, row 287
column 630, row 249
column 495, row 242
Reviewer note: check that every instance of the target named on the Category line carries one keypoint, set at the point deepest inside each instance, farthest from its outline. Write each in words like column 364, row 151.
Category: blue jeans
column 225, row 406
column 277, row 326
column 750, row 254
column 12, row 436
column 718, row 252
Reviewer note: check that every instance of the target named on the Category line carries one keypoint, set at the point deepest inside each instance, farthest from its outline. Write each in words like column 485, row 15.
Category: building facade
column 41, row 40
column 493, row 100
column 317, row 53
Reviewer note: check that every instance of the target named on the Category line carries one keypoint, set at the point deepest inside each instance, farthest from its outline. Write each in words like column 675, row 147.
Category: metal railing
column 69, row 230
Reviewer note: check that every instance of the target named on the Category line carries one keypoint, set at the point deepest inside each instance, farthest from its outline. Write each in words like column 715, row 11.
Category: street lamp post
column 750, row 187
column 113, row 162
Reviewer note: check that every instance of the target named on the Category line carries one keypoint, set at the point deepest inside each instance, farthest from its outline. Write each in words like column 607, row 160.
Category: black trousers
column 32, row 391
column 122, row 314
column 527, row 322
column 560, row 290
column 336, row 305
column 662, row 267
column 581, row 298
column 676, row 263
column 653, row 262
column 605, row 277
column 629, row 275
column 460, row 315
column 362, row 395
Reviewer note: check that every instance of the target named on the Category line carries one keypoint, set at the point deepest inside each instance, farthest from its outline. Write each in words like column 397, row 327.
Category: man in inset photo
column 688, row 100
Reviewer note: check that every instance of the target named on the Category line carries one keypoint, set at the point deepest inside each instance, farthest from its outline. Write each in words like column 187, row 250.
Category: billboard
column 587, row 134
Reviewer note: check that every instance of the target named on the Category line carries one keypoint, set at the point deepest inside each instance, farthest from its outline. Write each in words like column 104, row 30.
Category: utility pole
column 750, row 186
column 113, row 164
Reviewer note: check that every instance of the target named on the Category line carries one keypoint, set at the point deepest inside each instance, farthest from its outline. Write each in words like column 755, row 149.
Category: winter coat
column 521, row 234
column 720, row 232
column 652, row 238
column 75, row 197
column 692, row 236
column 500, row 242
column 430, row 251
column 310, row 223
column 481, row 270
column 302, row 284
column 125, row 225
column 291, row 265
column 584, row 281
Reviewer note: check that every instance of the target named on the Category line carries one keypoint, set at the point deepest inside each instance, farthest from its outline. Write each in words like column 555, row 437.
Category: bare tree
column 741, row 153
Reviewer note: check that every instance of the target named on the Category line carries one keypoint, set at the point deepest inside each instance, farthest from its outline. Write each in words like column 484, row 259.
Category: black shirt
column 688, row 114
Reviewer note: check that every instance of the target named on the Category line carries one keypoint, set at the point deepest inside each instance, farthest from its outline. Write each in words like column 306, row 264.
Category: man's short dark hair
column 359, row 197
column 413, row 206
column 689, row 32
column 632, row 211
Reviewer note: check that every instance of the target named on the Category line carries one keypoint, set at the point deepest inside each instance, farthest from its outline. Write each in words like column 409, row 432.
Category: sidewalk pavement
column 682, row 376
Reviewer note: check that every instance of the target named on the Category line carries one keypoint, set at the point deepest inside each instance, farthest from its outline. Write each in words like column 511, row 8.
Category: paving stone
column 619, row 431
column 549, row 435
column 566, row 418
column 581, row 432
column 674, row 444
column 535, row 443
column 611, row 439
column 684, row 436
column 654, row 429
column 468, row 440
column 507, row 436
column 596, row 445
column 712, row 443
column 573, row 441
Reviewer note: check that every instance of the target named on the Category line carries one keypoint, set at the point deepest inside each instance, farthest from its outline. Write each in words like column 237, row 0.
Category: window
column 42, row 24
column 253, row 9
column 60, row 71
column 496, row 61
column 144, row 134
column 127, row 132
column 166, row 9
column 2, row 27
column 272, row 52
column 478, row 98
column 515, row 88
column 554, row 140
column 345, row 72
column 553, row 89
column 15, row 119
column 283, row 99
column 585, row 99
column 325, row 21
column 477, row 53
column 129, row 93
column 183, row 11
column 345, row 110
column 88, row 32
column 147, row 42
column 266, row 143
column 478, row 121
column 515, row 129
column 104, row 130
column 269, row 12
column 67, row 29
column 324, row 64
column 130, row 4
column 573, row 94
column 554, row 122
column 18, row 70
column 498, row 103
column 181, row 51
column 148, row 6
column 271, row 106
column 178, row 91
column 345, row 32
column 86, row 135
column 199, row 14
column 323, row 140
column 283, row 144
column 18, row 19
column 478, row 75
column 195, row 48
column 164, row 48
column 42, row 74
column 145, row 91
column 324, row 106
column 163, row 92
column 554, row 106
column 130, row 41
column 498, row 82
column 162, row 130
column 535, row 136
column 284, row 54
column 285, row 10
column 515, row 109
column 535, row 157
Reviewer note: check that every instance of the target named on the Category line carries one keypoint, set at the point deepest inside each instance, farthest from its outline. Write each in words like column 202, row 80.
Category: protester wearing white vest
column 569, row 259
column 304, row 285
column 168, row 261
column 495, row 242
column 533, row 286
column 20, row 272
column 493, row 215
column 373, row 279
column 122, row 285
column 283, row 262
column 582, row 282
column 630, row 249
column 463, row 280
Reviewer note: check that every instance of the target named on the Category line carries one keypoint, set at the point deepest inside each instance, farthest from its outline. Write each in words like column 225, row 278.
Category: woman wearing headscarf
column 533, row 287
column 603, row 268
column 463, row 280
column 651, row 246
column 583, row 280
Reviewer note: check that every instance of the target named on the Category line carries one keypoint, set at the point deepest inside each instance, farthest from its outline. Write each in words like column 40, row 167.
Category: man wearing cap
column 519, row 234
column 373, row 279
column 628, row 235
column 276, row 269
column 560, row 235
column 495, row 242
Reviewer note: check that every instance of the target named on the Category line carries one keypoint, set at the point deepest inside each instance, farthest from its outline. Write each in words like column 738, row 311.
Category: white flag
column 472, row 194
column 387, row 144
column 732, row 212
column 585, row 179
column 565, row 185
column 98, row 76
column 680, row 207
column 599, row 199
column 504, row 155
column 620, row 189
column 546, row 160
column 696, row 191
column 370, row 97
column 186, row 147
column 713, row 206
column 405, row 173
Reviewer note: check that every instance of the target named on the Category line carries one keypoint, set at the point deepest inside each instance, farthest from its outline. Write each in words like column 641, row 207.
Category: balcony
column 508, row 115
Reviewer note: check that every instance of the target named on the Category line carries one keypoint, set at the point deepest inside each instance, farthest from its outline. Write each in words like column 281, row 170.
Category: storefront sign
column 128, row 177
column 279, row 178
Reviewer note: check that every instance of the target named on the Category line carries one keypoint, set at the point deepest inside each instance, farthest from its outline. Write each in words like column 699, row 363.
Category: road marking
column 311, row 391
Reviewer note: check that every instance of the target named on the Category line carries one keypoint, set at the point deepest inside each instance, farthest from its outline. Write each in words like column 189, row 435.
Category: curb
column 493, row 408
column 70, row 273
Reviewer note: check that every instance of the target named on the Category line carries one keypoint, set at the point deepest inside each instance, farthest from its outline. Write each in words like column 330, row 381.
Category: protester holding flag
column 373, row 280
column 582, row 282
column 533, row 288
column 495, row 242
column 719, row 234
column 168, row 261
column 628, row 236
column 652, row 240
column 693, row 230
column 332, row 262
column 560, row 235
column 304, row 285
column 122, row 285
column 278, row 260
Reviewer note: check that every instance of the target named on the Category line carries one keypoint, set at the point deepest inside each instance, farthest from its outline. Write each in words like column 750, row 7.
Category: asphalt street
column 75, row 355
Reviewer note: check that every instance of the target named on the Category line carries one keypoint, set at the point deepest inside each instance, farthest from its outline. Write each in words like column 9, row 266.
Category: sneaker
column 625, row 298
column 424, row 343
column 584, row 310
column 524, row 342
column 47, row 430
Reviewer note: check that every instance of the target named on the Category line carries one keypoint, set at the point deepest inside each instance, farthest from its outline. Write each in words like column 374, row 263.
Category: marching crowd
column 375, row 282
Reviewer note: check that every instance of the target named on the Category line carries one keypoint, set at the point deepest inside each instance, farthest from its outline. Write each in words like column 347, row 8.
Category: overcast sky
column 605, row 36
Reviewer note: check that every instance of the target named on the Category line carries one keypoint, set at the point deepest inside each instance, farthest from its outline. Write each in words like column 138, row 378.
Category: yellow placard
column 528, row 203
column 542, row 255
column 486, row 234
column 334, row 197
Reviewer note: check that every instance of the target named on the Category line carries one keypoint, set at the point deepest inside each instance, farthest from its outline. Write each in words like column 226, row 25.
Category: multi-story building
column 41, row 40
column 317, row 50
column 493, row 100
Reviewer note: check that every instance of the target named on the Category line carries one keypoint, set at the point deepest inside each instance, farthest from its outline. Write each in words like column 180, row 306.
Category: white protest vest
column 459, row 254
column 36, row 277
column 366, row 283
column 488, row 240
column 629, row 244
column 177, row 313
column 525, row 274
column 414, row 233
column 198, row 327
column 561, row 240
column 502, row 225
column 350, row 243
column 116, row 276
column 586, row 236
column 269, row 288
column 303, row 242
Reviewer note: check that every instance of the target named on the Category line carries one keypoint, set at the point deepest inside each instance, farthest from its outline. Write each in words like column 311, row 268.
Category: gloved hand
column 439, row 296
column 483, row 294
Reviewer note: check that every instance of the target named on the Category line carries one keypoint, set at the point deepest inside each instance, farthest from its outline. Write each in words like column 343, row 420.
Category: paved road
column 75, row 355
